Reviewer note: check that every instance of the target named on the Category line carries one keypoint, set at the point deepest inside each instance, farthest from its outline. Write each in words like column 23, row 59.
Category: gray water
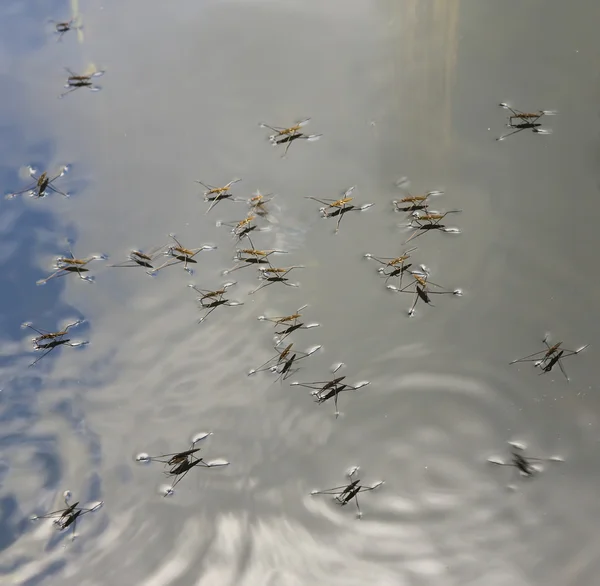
column 398, row 89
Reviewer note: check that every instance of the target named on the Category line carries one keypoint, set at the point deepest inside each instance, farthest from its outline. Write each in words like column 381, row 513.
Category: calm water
column 404, row 88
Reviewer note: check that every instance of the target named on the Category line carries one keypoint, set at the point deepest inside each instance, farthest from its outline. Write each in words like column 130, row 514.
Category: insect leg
column 40, row 357
column 214, row 202
column 411, row 311
column 57, row 190
column 509, row 134
column 68, row 92
column 58, row 273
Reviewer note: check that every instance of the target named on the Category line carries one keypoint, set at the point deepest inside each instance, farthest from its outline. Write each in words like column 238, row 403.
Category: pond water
column 398, row 89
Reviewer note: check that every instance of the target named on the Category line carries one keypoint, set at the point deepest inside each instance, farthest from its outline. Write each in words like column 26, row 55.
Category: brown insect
column 69, row 264
column 345, row 493
column 180, row 254
column 181, row 463
column 290, row 323
column 74, row 82
column 138, row 258
column 547, row 359
column 42, row 184
column 411, row 203
column 325, row 390
column 216, row 194
column 48, row 341
column 251, row 257
column 430, row 221
column 210, row 300
column 422, row 289
column 242, row 228
column 393, row 266
column 526, row 466
column 61, row 28
column 339, row 207
column 283, row 361
column 273, row 274
column 290, row 134
column 64, row 518
column 258, row 202
column 525, row 121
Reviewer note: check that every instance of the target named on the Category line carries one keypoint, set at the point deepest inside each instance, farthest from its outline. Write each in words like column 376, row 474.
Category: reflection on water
column 396, row 89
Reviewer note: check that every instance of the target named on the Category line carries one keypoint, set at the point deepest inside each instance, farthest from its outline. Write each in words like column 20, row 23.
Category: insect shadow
column 519, row 121
column 525, row 466
column 42, row 184
column 548, row 358
column 48, row 341
column 210, row 300
column 180, row 463
column 348, row 492
column 330, row 389
column 67, row 517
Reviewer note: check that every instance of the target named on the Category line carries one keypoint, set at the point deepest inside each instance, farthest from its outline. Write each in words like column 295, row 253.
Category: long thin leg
column 287, row 146
column 214, row 202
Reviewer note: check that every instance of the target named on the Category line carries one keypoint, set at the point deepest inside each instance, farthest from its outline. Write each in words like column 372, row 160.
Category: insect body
column 547, row 359
column 519, row 121
column 42, row 184
column 180, row 463
column 75, row 82
column 68, row 516
column 346, row 493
